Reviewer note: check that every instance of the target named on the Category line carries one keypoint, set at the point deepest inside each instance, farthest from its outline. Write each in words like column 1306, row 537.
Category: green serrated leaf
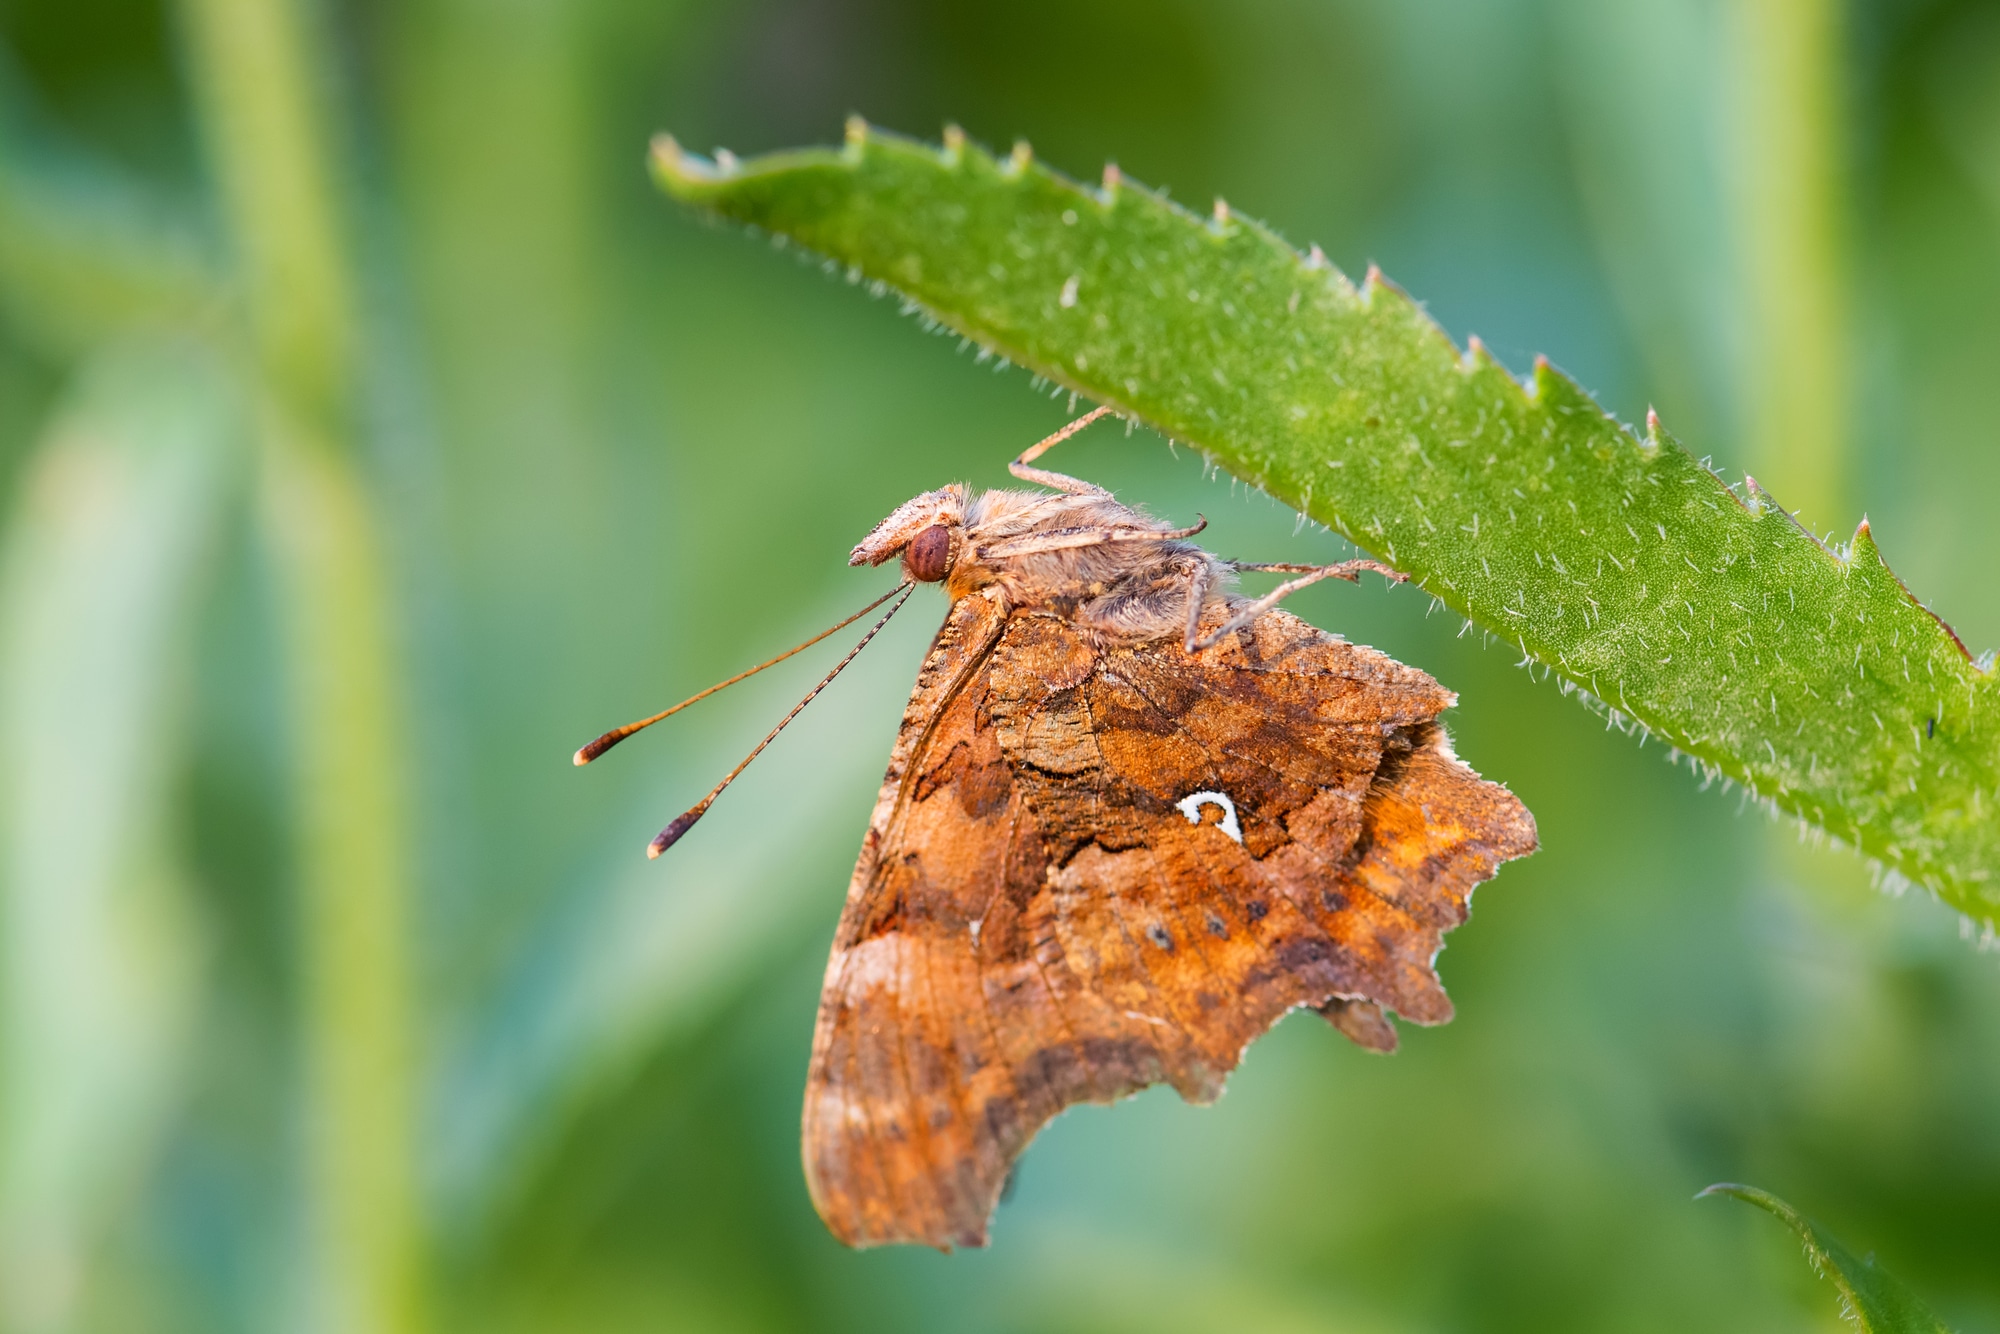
column 1710, row 618
column 1869, row 1296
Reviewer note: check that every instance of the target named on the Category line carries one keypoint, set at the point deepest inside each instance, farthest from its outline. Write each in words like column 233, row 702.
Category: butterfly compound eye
column 930, row 554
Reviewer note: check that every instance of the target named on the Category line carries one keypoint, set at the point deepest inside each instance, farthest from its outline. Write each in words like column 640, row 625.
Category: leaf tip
column 1542, row 380
column 1374, row 283
column 1656, row 438
column 1316, row 258
column 1221, row 212
column 856, row 132
column 1762, row 1199
column 1478, row 356
column 678, row 171
column 1862, row 546
column 954, row 143
column 1879, row 1302
column 667, row 156
column 1018, row 160
column 1113, row 179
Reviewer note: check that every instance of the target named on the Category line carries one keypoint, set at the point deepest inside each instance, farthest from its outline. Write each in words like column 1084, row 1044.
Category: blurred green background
column 371, row 435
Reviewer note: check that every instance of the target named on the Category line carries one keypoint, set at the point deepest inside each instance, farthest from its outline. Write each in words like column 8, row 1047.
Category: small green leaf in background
column 1618, row 561
column 1869, row 1296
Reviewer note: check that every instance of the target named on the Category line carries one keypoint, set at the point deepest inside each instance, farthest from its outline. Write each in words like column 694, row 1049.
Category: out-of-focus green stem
column 1790, row 211
column 272, row 154
column 1789, row 158
column 352, row 873
column 271, row 157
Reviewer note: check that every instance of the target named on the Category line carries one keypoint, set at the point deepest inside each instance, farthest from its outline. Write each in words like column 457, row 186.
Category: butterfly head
column 923, row 531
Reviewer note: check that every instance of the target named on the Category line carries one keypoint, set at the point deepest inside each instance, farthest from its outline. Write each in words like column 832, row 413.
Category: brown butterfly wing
column 1035, row 920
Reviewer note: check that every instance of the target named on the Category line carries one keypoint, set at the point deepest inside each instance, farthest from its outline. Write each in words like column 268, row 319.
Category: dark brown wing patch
column 1093, row 869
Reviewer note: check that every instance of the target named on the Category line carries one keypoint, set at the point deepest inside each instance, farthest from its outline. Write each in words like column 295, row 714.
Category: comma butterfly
column 1130, row 821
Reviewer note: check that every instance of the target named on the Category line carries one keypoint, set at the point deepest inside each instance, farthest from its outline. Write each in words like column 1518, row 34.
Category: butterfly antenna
column 684, row 822
column 618, row 734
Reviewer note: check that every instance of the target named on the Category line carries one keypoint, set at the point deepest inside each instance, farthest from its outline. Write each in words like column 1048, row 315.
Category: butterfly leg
column 1198, row 584
column 1019, row 467
column 1350, row 570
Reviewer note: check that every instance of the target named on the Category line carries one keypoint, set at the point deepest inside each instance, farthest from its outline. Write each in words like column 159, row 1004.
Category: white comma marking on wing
column 1191, row 805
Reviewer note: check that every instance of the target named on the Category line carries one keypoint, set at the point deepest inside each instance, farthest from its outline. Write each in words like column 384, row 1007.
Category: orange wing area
column 1091, row 870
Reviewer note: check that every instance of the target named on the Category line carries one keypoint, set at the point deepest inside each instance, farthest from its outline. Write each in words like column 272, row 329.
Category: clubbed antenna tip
column 671, row 835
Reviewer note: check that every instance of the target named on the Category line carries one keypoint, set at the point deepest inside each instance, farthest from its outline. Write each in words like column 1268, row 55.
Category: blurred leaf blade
column 1869, row 1295
column 1621, row 563
column 105, row 560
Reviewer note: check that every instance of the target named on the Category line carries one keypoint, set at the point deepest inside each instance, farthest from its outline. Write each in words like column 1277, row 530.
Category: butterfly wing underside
column 1092, row 869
